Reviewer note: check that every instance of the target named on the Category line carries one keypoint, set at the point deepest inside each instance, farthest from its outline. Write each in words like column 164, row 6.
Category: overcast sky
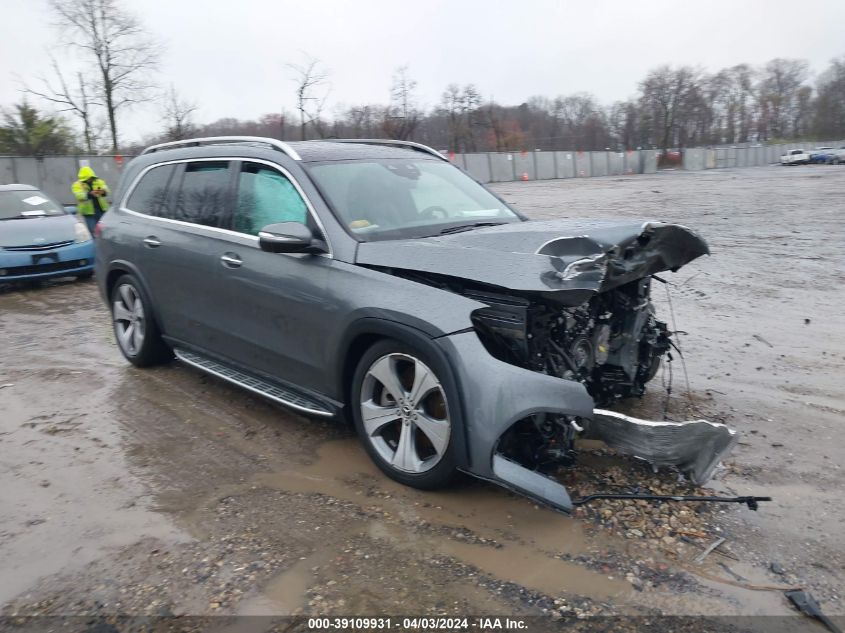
column 230, row 57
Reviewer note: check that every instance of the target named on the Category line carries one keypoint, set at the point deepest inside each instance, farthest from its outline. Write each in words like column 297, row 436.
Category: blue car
column 39, row 239
column 822, row 156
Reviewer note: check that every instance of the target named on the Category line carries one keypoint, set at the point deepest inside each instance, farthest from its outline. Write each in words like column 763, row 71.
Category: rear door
column 178, row 243
column 273, row 310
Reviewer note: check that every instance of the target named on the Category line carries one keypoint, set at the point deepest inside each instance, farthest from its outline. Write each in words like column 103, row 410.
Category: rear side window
column 150, row 193
column 204, row 195
column 265, row 196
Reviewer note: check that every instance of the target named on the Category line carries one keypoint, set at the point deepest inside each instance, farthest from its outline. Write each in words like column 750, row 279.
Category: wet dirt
column 165, row 491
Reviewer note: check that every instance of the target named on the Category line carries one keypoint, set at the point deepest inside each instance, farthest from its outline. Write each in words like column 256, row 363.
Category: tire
column 421, row 423
column 135, row 328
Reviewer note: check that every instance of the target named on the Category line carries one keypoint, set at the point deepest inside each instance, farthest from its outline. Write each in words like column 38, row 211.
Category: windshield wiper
column 468, row 227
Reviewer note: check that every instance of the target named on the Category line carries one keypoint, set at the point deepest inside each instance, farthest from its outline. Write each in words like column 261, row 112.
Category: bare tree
column 76, row 99
column 118, row 45
column 403, row 115
column 830, row 103
column 669, row 100
column 779, row 88
column 310, row 97
column 177, row 114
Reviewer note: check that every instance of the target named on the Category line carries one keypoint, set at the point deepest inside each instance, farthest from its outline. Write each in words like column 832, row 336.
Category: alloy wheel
column 128, row 315
column 405, row 414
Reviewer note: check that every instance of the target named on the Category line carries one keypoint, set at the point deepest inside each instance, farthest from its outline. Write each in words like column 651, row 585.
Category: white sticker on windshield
column 35, row 200
column 33, row 214
column 480, row 213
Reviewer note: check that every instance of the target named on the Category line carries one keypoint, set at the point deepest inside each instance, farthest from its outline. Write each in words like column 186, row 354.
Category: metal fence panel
column 582, row 165
column 694, row 158
column 721, row 157
column 616, row 163
column 731, row 158
column 633, row 162
column 478, row 166
column 565, row 164
column 710, row 159
column 545, row 165
column 58, row 173
column 649, row 161
column 7, row 171
column 501, row 167
column 26, row 171
column 598, row 164
column 524, row 166
column 457, row 160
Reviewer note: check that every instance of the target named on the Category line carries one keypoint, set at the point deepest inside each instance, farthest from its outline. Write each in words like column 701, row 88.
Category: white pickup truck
column 795, row 157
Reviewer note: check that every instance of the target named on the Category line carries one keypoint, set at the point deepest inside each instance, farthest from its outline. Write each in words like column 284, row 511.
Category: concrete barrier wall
column 565, row 164
column 501, row 167
column 615, row 163
column 598, row 164
column 582, row 165
column 55, row 174
column 545, row 165
column 478, row 166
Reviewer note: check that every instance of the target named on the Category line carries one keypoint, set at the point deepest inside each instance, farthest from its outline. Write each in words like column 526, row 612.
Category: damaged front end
column 567, row 313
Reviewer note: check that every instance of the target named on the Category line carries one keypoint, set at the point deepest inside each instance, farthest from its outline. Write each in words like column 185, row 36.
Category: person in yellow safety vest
column 90, row 193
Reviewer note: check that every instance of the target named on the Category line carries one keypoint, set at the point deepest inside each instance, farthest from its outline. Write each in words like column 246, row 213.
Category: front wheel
column 401, row 410
column 135, row 328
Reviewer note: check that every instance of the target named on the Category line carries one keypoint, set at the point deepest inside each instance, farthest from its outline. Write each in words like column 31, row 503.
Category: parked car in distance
column 373, row 280
column 821, row 156
column 837, row 156
column 795, row 157
column 39, row 239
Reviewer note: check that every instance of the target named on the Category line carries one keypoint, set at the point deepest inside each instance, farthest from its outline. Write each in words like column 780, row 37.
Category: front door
column 273, row 309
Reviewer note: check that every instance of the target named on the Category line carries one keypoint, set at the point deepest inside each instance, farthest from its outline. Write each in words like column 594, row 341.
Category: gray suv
column 374, row 281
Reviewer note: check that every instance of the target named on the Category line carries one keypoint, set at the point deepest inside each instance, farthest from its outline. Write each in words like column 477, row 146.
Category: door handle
column 230, row 260
column 152, row 241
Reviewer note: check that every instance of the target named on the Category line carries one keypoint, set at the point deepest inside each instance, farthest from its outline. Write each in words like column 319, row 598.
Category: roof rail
column 220, row 140
column 386, row 141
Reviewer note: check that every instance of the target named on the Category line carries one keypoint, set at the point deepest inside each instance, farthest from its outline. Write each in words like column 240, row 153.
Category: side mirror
column 289, row 237
column 70, row 209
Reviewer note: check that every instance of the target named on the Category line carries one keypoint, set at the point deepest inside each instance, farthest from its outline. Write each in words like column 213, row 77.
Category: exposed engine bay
column 613, row 343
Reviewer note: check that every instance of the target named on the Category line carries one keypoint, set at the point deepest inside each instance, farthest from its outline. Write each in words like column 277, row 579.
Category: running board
column 271, row 391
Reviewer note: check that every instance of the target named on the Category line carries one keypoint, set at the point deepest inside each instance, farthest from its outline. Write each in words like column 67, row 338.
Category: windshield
column 27, row 204
column 382, row 199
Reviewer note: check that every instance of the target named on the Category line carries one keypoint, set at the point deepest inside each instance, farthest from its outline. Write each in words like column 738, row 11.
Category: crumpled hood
column 38, row 230
column 570, row 259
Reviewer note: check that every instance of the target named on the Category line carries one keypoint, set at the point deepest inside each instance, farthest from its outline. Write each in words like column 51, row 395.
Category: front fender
column 497, row 394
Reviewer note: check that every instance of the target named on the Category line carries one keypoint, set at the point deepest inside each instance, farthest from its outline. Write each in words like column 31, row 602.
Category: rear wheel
column 135, row 328
column 401, row 412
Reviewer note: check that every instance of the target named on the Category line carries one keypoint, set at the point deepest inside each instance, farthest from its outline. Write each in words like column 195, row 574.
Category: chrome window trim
column 253, row 238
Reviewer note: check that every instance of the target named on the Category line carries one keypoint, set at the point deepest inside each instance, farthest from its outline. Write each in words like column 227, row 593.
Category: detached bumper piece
column 695, row 447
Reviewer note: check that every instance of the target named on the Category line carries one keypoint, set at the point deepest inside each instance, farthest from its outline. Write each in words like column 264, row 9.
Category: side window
column 265, row 197
column 150, row 193
column 204, row 196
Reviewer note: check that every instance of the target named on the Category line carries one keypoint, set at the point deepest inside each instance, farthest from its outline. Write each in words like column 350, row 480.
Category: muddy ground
column 164, row 491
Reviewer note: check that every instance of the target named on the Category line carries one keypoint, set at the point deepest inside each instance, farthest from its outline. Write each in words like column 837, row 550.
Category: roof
column 312, row 151
column 306, row 151
column 18, row 187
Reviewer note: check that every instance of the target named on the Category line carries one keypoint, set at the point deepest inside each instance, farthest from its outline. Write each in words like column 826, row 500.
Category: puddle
column 285, row 593
column 529, row 536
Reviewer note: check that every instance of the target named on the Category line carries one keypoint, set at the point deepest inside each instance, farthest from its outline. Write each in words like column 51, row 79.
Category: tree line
column 674, row 107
